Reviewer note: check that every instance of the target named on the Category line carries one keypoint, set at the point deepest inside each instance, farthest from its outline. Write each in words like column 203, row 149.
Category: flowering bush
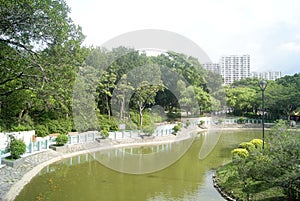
column 257, row 143
column 247, row 145
column 240, row 152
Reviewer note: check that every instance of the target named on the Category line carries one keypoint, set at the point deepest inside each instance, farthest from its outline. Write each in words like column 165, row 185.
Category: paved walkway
column 9, row 176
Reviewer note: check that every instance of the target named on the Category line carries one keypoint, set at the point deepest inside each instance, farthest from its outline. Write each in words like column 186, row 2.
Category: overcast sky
column 267, row 30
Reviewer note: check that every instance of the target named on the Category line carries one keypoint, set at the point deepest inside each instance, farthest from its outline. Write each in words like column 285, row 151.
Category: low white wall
column 26, row 136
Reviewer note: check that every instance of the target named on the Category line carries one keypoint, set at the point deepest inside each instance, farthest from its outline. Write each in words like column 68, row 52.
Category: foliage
column 17, row 148
column 257, row 143
column 130, row 125
column 241, row 120
column 61, row 139
column 273, row 171
column 41, row 130
column 61, row 126
column 187, row 123
column 247, row 145
column 22, row 128
column 177, row 127
column 240, row 152
column 149, row 130
column 281, row 97
column 105, row 133
column 39, row 53
column 173, row 116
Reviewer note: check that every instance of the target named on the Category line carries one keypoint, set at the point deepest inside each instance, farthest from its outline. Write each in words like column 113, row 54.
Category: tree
column 256, row 170
column 282, row 167
column 187, row 98
column 105, row 88
column 26, row 27
column 40, row 52
column 282, row 100
column 242, row 100
column 146, row 86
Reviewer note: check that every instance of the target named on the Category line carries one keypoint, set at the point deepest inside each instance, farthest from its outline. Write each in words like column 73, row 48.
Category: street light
column 263, row 85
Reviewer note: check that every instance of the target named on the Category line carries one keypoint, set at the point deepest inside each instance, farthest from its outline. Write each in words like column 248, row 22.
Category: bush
column 177, row 127
column 247, row 145
column 257, row 143
column 17, row 148
column 130, row 125
column 149, row 129
column 187, row 123
column 156, row 117
column 41, row 130
column 201, row 123
column 108, row 124
column 62, row 126
column 241, row 120
column 61, row 139
column 220, row 121
column 105, row 133
column 242, row 153
column 22, row 128
column 173, row 116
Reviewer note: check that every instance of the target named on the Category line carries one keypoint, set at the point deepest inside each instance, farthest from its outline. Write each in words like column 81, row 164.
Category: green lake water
column 84, row 178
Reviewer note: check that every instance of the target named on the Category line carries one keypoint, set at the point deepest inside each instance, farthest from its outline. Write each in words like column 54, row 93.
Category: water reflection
column 84, row 178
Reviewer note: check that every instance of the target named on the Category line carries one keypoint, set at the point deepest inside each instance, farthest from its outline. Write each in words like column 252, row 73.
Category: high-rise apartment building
column 234, row 67
column 214, row 67
column 269, row 75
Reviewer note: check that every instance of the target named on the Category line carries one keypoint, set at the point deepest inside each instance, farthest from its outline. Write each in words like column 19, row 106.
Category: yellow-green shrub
column 240, row 152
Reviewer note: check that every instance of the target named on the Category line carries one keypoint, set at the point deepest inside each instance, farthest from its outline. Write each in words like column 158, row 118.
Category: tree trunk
column 141, row 117
column 20, row 117
column 107, row 107
column 122, row 108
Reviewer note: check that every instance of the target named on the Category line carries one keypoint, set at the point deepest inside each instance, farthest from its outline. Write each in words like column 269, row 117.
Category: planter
column 58, row 148
column 13, row 163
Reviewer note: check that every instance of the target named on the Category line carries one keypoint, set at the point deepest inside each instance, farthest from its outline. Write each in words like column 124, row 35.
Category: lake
column 140, row 173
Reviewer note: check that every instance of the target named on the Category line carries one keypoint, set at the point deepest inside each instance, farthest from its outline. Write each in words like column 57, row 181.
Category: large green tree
column 40, row 51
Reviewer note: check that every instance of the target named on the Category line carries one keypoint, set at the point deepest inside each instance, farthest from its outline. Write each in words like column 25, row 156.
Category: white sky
column 268, row 30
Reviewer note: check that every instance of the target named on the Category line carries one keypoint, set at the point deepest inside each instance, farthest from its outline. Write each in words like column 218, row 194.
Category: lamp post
column 263, row 85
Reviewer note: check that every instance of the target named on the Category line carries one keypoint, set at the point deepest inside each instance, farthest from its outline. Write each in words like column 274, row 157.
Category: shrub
column 41, row 130
column 105, row 133
column 177, row 127
column 241, row 120
column 220, row 121
column 130, row 125
column 187, row 123
column 61, row 139
column 62, row 126
column 171, row 116
column 201, row 123
column 22, row 128
column 257, row 143
column 17, row 148
column 149, row 129
column 108, row 124
column 156, row 117
column 247, row 145
column 242, row 153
